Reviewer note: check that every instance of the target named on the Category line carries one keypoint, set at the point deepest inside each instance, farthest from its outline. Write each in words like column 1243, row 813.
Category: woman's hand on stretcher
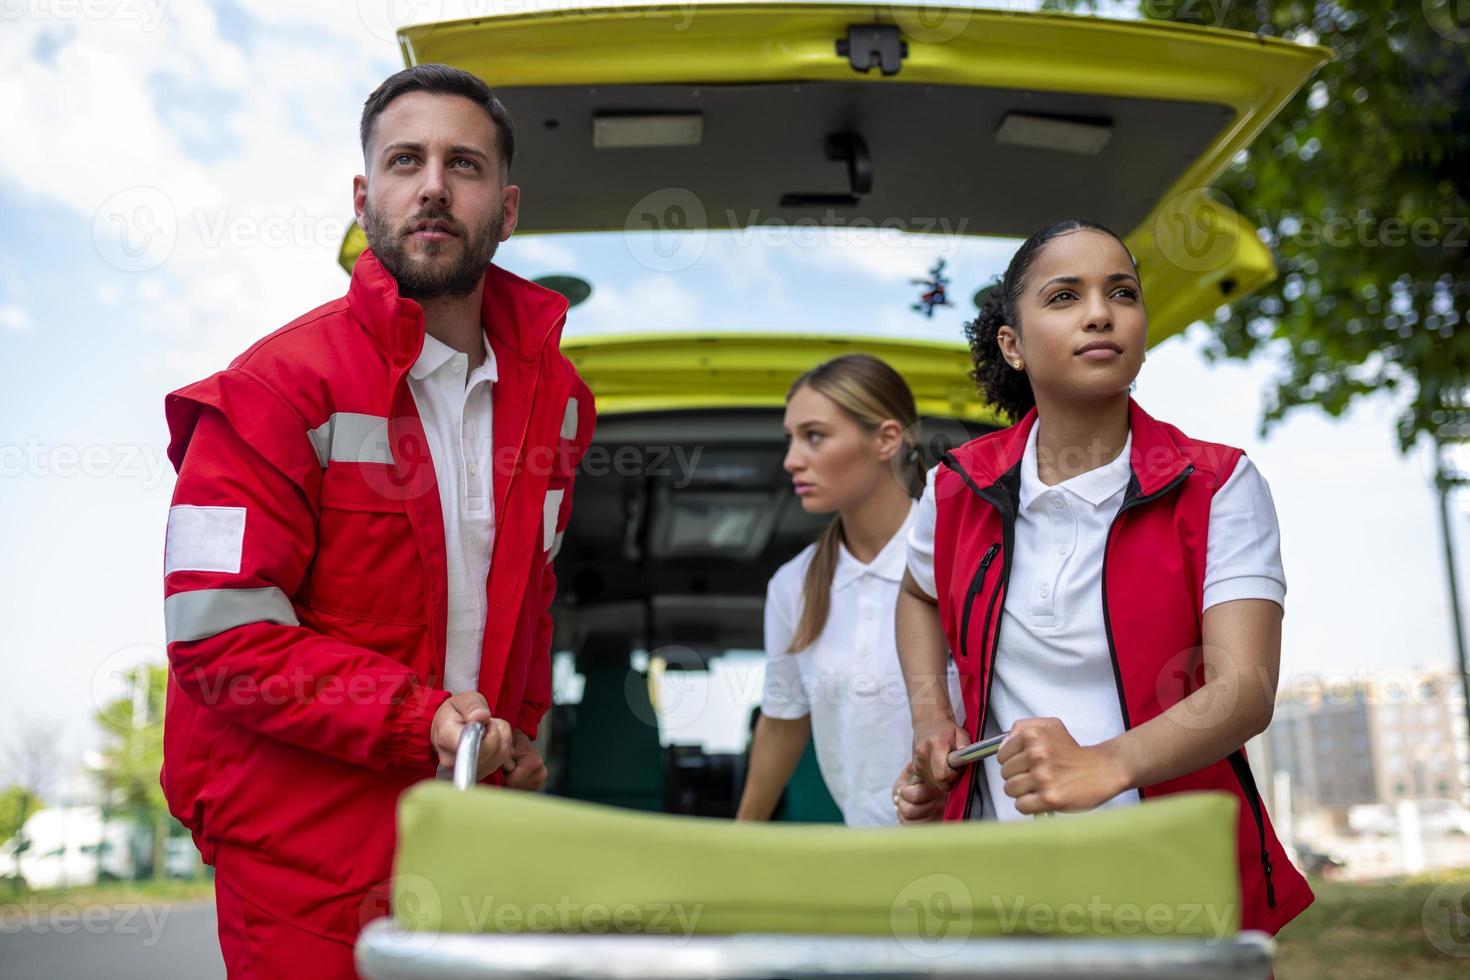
column 449, row 722
column 934, row 740
column 914, row 800
column 1046, row 771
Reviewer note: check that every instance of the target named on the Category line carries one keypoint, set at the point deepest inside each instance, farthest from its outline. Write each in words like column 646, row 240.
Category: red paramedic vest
column 1152, row 594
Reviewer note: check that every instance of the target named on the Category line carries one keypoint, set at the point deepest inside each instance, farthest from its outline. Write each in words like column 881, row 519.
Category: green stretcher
column 489, row 883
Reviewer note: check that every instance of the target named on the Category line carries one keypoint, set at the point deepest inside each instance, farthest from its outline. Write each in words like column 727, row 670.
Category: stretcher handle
column 467, row 756
column 975, row 751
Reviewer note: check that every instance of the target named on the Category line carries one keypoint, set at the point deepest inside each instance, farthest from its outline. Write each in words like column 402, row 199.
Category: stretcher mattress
column 501, row 862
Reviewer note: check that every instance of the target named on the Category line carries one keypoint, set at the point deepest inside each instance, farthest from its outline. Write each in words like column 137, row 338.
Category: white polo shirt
column 1053, row 658
column 456, row 412
column 849, row 680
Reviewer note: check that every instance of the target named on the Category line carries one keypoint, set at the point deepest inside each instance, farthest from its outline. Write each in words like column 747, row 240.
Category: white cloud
column 536, row 255
column 219, row 251
column 654, row 303
column 16, row 319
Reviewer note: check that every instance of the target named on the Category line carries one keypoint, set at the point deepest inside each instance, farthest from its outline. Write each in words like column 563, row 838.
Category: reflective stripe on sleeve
column 203, row 613
column 350, row 437
column 569, row 420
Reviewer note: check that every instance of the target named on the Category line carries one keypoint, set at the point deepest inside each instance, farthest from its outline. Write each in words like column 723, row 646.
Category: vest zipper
column 975, row 585
column 1252, row 794
column 1003, row 502
column 977, row 768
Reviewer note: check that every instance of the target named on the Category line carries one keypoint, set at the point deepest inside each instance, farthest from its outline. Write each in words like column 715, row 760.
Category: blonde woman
column 832, row 670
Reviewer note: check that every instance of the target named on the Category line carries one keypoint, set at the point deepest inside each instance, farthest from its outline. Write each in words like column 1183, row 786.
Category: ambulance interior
column 679, row 520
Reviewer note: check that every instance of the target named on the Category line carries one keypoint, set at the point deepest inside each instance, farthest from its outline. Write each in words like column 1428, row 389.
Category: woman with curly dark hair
column 1109, row 588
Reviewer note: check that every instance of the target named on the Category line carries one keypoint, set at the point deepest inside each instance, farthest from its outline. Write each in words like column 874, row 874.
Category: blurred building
column 1369, row 740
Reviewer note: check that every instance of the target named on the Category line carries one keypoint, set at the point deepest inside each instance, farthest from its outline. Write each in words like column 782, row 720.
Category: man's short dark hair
column 441, row 80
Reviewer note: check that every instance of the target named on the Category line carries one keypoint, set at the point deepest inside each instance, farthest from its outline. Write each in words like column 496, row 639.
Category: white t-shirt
column 1053, row 658
column 456, row 413
column 849, row 680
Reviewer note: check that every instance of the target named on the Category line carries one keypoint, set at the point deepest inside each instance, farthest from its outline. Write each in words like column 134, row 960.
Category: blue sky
column 173, row 187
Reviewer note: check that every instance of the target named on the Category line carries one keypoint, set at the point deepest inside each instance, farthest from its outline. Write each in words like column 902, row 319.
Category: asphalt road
column 144, row 942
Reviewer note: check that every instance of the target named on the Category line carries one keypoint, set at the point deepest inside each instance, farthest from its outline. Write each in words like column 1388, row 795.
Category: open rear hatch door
column 926, row 119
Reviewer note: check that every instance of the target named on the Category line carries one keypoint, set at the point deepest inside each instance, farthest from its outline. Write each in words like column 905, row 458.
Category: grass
column 169, row 892
column 1375, row 930
column 1352, row 932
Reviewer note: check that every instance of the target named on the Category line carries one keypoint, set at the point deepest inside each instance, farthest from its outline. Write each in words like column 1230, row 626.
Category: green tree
column 1361, row 187
column 17, row 803
column 133, row 756
column 16, row 806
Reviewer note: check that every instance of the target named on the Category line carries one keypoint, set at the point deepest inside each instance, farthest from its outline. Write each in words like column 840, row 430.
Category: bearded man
column 359, row 553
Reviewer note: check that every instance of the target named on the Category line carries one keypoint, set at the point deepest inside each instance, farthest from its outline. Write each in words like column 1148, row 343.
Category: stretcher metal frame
column 387, row 951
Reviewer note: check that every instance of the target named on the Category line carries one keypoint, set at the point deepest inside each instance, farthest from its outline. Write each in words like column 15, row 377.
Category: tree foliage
column 133, row 745
column 1361, row 187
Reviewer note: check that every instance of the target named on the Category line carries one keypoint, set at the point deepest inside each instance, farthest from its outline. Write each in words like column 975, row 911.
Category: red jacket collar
column 518, row 314
column 1156, row 457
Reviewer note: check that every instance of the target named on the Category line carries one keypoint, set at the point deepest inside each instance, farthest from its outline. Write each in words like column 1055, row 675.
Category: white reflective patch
column 556, row 546
column 569, row 420
column 548, row 517
column 351, row 437
column 204, row 539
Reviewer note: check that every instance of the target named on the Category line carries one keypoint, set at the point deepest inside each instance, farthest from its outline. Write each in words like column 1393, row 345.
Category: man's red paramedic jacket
column 302, row 682
column 1152, row 594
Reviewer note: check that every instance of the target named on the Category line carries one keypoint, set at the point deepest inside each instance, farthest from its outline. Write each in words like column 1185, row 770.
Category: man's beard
column 419, row 279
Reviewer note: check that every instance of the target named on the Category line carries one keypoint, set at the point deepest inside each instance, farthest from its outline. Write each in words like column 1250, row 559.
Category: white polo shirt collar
column 1095, row 486
column 436, row 354
column 888, row 564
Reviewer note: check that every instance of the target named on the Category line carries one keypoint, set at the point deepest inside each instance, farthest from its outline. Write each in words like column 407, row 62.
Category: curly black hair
column 999, row 383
